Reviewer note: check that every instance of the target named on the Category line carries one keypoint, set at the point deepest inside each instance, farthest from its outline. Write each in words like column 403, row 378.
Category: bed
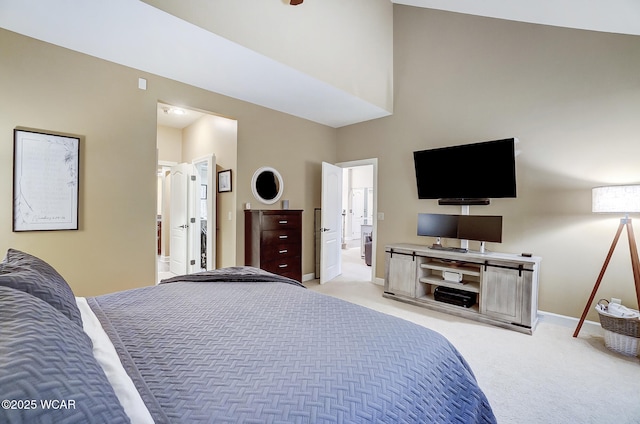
column 225, row 346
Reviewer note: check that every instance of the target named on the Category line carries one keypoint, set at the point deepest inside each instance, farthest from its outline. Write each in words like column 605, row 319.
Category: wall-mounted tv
column 467, row 174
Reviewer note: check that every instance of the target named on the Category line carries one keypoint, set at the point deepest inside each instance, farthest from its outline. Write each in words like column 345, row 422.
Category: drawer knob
column 283, row 266
column 284, row 221
column 284, row 237
column 283, row 251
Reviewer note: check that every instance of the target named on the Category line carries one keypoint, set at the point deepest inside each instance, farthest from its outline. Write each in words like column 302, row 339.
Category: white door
column 331, row 222
column 183, row 224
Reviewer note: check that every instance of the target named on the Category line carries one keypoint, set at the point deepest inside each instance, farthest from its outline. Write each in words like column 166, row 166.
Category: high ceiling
column 617, row 16
column 111, row 31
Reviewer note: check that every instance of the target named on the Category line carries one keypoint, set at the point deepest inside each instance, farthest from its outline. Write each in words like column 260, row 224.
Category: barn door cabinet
column 503, row 287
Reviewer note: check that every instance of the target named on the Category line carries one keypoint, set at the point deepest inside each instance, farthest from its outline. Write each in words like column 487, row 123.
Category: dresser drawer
column 287, row 267
column 272, row 237
column 277, row 251
column 281, row 222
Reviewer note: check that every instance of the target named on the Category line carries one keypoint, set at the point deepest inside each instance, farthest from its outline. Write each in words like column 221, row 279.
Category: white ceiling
column 168, row 118
column 111, row 30
column 617, row 16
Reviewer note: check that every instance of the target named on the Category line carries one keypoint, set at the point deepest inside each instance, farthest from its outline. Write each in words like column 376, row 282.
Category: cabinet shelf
column 466, row 286
column 428, row 298
column 464, row 270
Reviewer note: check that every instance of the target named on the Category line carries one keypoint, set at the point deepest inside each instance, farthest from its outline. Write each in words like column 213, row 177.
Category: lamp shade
column 612, row 199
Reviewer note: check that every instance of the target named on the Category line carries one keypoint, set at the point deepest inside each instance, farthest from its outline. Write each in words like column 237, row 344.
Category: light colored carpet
column 549, row 377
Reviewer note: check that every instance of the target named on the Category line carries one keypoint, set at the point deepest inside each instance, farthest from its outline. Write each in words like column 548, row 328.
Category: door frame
column 374, row 163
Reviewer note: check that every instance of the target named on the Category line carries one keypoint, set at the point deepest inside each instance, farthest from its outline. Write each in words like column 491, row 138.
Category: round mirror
column 267, row 185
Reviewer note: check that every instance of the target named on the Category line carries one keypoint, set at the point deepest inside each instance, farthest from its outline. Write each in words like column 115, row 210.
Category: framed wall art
column 45, row 181
column 224, row 181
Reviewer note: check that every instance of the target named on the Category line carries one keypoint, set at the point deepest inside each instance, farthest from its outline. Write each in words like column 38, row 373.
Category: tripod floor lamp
column 623, row 200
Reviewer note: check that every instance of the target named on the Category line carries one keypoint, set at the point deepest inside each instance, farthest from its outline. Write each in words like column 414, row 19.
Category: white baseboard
column 571, row 322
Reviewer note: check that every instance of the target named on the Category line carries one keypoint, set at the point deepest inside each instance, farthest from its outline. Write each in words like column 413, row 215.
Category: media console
column 503, row 288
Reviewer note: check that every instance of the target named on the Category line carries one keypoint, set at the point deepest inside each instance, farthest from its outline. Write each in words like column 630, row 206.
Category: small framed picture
column 224, row 181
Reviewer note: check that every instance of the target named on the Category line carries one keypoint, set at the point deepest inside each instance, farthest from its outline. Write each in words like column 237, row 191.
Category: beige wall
column 54, row 89
column 571, row 97
column 169, row 144
column 312, row 37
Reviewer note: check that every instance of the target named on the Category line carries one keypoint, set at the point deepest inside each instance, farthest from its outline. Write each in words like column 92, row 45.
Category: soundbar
column 463, row 201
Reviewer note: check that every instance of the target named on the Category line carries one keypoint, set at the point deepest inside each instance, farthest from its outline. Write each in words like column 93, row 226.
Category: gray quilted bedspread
column 267, row 352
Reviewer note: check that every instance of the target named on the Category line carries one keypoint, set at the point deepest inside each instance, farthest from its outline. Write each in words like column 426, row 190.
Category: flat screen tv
column 467, row 174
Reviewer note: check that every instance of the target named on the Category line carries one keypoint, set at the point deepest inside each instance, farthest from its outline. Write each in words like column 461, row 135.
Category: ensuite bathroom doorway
column 357, row 226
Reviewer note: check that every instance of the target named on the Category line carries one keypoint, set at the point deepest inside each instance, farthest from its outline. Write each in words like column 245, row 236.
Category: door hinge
column 193, row 177
column 193, row 262
column 193, row 220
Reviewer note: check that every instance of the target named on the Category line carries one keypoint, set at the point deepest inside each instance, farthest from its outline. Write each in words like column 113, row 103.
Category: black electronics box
column 455, row 296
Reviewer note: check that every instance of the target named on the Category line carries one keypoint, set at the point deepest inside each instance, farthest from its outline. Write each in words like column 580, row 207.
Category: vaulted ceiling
column 616, row 16
column 112, row 31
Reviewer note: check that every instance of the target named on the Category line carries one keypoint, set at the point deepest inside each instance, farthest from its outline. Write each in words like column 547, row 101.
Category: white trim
column 167, row 163
column 571, row 322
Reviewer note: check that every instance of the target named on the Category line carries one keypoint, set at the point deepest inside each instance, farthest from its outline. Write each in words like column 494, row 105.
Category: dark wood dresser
column 273, row 241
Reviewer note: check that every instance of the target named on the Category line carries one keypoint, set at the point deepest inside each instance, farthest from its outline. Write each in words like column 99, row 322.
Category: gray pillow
column 47, row 360
column 32, row 275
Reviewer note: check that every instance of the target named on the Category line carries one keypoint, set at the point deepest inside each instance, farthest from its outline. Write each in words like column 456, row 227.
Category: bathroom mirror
column 267, row 185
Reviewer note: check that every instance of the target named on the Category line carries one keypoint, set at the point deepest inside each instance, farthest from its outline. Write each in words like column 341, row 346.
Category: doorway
column 206, row 143
column 186, row 218
column 357, row 254
column 358, row 211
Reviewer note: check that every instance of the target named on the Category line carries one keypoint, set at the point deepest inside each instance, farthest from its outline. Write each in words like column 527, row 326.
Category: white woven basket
column 621, row 335
column 620, row 343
